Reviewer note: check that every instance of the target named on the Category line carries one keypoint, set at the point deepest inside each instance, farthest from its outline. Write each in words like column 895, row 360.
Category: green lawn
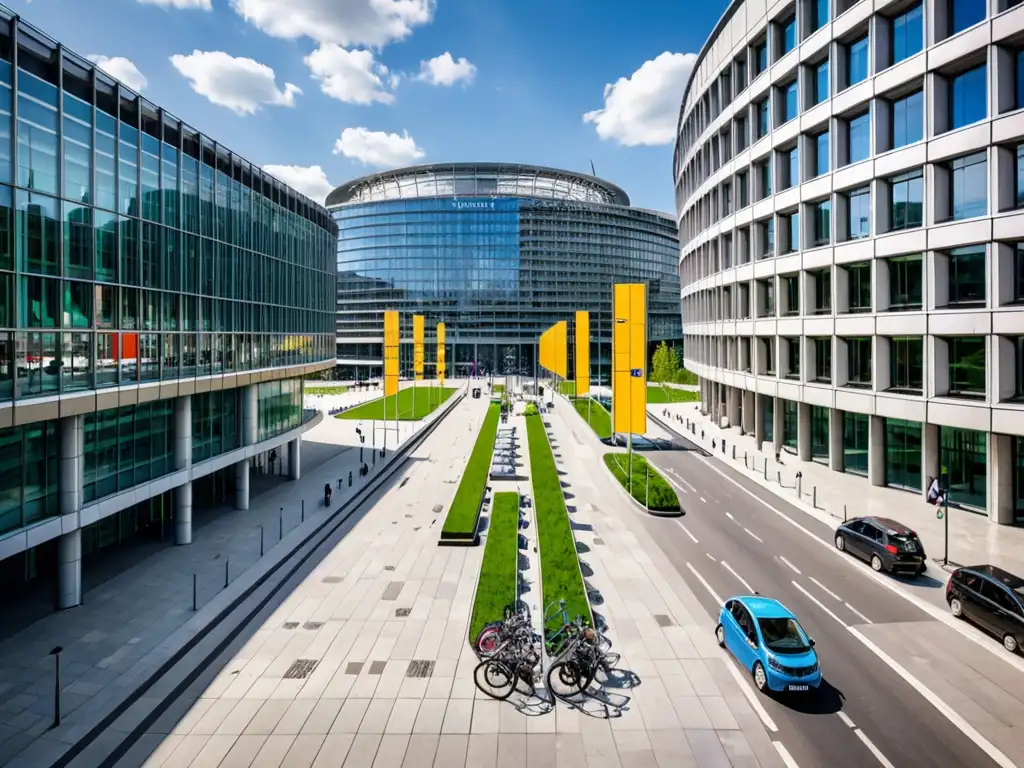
column 567, row 388
column 465, row 508
column 322, row 389
column 599, row 419
column 427, row 400
column 662, row 496
column 559, row 563
column 500, row 567
column 657, row 394
column 499, row 388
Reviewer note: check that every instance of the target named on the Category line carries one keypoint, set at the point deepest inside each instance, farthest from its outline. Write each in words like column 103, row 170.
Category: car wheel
column 840, row 543
column 760, row 677
column 720, row 635
column 1010, row 643
column 956, row 608
column 876, row 563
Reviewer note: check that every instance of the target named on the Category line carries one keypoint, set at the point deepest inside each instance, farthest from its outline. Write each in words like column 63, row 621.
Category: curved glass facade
column 497, row 271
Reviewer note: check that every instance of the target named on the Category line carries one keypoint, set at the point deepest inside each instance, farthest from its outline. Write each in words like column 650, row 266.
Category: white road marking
column 947, row 711
column 743, row 581
column 784, row 754
column 710, row 557
column 706, row 586
column 874, row 750
column 865, row 618
column 825, row 589
column 727, row 514
column 818, row 603
column 754, row 535
column 790, row 564
column 687, row 531
column 846, row 719
column 682, row 480
column 703, row 499
column 752, row 699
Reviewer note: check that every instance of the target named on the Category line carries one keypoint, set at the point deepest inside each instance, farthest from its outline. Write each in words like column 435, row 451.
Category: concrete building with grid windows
column 849, row 183
column 160, row 300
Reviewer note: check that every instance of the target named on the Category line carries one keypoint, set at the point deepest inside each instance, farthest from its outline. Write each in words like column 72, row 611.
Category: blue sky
column 511, row 80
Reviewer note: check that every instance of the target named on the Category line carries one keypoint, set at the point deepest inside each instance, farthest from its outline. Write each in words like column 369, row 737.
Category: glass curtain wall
column 856, row 428
column 819, row 434
column 964, row 456
column 903, row 454
column 789, row 425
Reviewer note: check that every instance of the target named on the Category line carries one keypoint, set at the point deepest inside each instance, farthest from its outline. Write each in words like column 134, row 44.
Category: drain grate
column 353, row 668
column 389, row 567
column 420, row 668
column 332, row 579
column 393, row 589
column 377, row 667
column 402, row 613
column 300, row 669
column 312, row 625
column 664, row 620
column 290, row 624
column 598, row 542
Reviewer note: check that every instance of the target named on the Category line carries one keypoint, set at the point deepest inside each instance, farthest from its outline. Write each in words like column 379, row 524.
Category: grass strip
column 499, row 388
column 559, row 563
column 411, row 407
column 324, row 390
column 465, row 508
column 662, row 496
column 567, row 388
column 595, row 415
column 500, row 567
column 658, row 394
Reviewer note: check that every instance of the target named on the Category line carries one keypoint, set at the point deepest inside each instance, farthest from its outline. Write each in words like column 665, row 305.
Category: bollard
column 744, row 459
column 799, row 485
column 765, row 467
column 56, row 685
column 734, row 451
column 778, row 477
column 844, row 513
column 261, row 541
column 814, row 497
column 226, row 564
column 303, row 517
column 193, row 591
column 280, row 524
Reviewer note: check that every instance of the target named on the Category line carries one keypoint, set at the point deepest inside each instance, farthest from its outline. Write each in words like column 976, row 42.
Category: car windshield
column 783, row 635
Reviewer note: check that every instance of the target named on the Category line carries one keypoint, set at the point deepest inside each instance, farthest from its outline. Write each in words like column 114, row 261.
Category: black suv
column 884, row 543
column 991, row 598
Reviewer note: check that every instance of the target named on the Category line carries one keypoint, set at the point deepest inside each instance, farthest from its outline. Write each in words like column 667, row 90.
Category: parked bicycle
column 584, row 654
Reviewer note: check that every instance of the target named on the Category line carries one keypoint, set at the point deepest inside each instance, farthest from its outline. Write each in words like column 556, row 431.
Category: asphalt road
column 865, row 713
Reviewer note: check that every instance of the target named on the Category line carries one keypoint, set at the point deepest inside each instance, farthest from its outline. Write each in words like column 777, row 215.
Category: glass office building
column 498, row 253
column 160, row 300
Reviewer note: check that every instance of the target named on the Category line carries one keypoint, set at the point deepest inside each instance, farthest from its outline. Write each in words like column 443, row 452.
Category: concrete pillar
column 732, row 395
column 183, row 514
column 748, row 416
column 931, row 457
column 876, row 451
column 242, row 484
column 1001, row 502
column 803, row 431
column 183, row 432
column 250, row 414
column 69, row 569
column 777, row 422
column 294, row 458
column 836, row 457
column 759, row 435
column 72, row 440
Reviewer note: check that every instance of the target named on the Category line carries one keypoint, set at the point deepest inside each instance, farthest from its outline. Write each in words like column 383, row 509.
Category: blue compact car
column 766, row 638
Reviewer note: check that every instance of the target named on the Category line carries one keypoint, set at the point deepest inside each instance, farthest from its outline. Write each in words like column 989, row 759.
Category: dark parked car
column 991, row 598
column 884, row 543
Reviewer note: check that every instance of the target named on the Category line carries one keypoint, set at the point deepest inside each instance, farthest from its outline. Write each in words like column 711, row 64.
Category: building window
column 821, row 153
column 967, row 366
column 823, row 292
column 767, row 238
column 742, row 192
column 859, row 284
column 791, row 167
column 819, row 434
column 907, row 201
column 818, row 13
column 768, row 347
column 788, row 29
column 858, row 356
column 823, row 360
column 789, row 92
column 741, row 75
column 903, row 454
column 791, row 287
column 726, row 198
column 964, row 14
column 793, row 358
column 1018, row 273
column 906, row 278
column 964, row 454
column 789, row 425
column 821, row 82
column 790, row 224
column 763, row 118
column 967, row 276
column 857, row 61
column 856, row 427
column 859, row 213
column 906, row 364
column 907, row 34
column 1018, row 101
column 1019, row 173
column 760, row 57
column 769, row 297
column 741, row 134
column 968, row 101
column 908, row 119
column 968, row 188
column 859, row 138
column 821, row 212
column 764, row 171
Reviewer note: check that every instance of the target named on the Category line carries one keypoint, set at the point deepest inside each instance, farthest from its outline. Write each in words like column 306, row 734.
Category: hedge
column 465, row 509
column 662, row 497
column 600, row 420
column 499, row 571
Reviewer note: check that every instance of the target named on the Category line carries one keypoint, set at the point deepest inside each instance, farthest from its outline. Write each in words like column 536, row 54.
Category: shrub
column 531, row 409
column 660, row 496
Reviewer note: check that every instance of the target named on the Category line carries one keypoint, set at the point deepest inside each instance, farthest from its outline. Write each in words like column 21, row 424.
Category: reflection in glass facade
column 964, row 457
column 479, row 248
column 903, row 454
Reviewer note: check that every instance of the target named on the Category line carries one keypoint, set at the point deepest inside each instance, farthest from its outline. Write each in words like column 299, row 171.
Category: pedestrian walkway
column 131, row 624
column 973, row 538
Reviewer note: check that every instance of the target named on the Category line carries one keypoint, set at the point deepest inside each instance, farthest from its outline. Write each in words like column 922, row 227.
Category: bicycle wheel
column 495, row 678
column 568, row 678
column 489, row 639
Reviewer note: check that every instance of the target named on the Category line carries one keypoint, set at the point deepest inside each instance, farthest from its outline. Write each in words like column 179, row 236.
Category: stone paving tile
column 243, row 751
column 391, row 752
column 363, row 750
column 420, row 751
column 334, row 750
column 451, row 751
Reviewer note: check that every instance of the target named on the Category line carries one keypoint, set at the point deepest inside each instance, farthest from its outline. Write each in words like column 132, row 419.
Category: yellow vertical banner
column 629, row 358
column 582, row 354
column 417, row 347
column 561, row 355
column 390, row 353
column 441, row 367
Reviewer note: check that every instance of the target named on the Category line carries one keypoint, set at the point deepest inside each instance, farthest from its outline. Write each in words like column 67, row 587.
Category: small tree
column 660, row 363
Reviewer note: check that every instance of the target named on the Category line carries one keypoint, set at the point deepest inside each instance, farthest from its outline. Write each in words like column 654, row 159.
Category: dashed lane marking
column 825, row 589
column 818, row 603
column 705, row 584
column 754, row 535
column 743, row 581
column 687, row 532
column 752, row 699
column 787, row 758
column 861, row 615
column 874, row 750
column 846, row 719
column 790, row 564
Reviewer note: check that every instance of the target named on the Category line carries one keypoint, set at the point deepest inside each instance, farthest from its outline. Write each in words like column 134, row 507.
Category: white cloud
column 310, row 180
column 643, row 109
column 354, row 77
column 121, row 68
column 444, row 70
column 202, row 5
column 372, row 23
column 240, row 84
column 384, row 150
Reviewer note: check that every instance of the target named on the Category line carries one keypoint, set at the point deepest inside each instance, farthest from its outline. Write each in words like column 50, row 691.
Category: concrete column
column 931, row 457
column 72, row 439
column 250, row 414
column 1001, row 501
column 876, row 451
column 749, row 416
column 803, row 431
column 732, row 395
column 242, row 484
column 777, row 422
column 183, row 433
column 758, row 420
column 294, row 458
column 183, row 514
column 69, row 569
column 836, row 457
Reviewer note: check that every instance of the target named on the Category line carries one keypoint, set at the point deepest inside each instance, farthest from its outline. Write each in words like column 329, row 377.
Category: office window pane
column 760, row 57
column 967, row 366
column 823, row 360
column 821, row 153
column 906, row 364
column 967, row 275
column 969, row 186
column 821, row 82
column 763, row 119
column 859, row 286
column 860, row 214
column 819, row 14
column 1019, row 91
column 964, row 455
column 908, row 119
column 858, row 351
column 792, row 159
column 857, row 61
column 788, row 35
column 903, row 454
column 905, row 281
column 968, row 102
column 965, row 13
column 907, row 34
column 822, row 222
column 791, row 103
column 1020, row 175
column 907, row 200
column 860, row 137
column 856, row 427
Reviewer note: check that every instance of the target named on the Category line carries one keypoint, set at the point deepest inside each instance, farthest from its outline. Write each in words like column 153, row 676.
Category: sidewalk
column 973, row 539
column 122, row 632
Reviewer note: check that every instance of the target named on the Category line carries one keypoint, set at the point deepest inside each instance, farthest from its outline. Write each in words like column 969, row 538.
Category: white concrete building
column 850, row 192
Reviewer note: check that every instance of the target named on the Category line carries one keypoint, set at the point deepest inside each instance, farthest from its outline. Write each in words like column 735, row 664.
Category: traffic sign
column 636, row 373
